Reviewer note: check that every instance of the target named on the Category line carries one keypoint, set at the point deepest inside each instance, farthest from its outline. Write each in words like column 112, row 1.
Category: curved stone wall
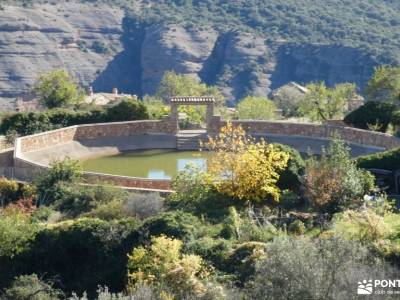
column 30, row 151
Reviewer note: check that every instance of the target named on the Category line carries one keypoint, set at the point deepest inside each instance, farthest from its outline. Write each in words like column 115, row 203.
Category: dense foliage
column 373, row 114
column 365, row 25
column 256, row 108
column 321, row 103
column 384, row 85
column 34, row 122
column 387, row 160
column 57, row 89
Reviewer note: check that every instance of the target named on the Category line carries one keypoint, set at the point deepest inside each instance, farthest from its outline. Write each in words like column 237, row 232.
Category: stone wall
column 93, row 131
column 131, row 182
column 348, row 134
column 28, row 169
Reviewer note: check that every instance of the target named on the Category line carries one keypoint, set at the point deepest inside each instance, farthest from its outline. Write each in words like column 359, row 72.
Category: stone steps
column 190, row 141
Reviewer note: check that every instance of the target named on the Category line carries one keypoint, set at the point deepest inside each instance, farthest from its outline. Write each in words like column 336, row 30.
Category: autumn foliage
column 243, row 168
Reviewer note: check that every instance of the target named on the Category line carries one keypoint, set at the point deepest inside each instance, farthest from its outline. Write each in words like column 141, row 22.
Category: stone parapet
column 348, row 134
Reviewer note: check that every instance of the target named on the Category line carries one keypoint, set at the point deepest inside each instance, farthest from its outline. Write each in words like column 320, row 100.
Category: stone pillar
column 209, row 114
column 174, row 116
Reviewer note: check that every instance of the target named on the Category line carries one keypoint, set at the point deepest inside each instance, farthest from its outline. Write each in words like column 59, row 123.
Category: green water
column 153, row 164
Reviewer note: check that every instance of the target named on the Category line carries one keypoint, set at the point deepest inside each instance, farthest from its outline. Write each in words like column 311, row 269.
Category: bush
column 25, row 123
column 334, row 182
column 67, row 170
column 321, row 269
column 364, row 226
column 297, row 227
column 290, row 177
column 16, row 232
column 256, row 108
column 9, row 191
column 127, row 110
column 163, row 265
column 388, row 160
column 34, row 122
column 372, row 113
column 31, row 287
column 143, row 206
column 75, row 251
column 176, row 224
column 194, row 194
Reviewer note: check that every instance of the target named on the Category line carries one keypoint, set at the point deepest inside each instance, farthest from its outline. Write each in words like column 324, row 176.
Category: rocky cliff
column 101, row 47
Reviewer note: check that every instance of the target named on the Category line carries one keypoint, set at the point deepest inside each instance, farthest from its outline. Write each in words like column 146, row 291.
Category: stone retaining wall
column 348, row 134
column 29, row 169
column 91, row 132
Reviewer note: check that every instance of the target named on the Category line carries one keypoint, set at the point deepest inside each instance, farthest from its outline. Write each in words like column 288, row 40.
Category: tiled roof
column 192, row 99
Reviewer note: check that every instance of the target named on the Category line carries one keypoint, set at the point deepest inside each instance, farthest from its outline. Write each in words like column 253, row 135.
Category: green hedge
column 35, row 122
column 372, row 113
column 388, row 160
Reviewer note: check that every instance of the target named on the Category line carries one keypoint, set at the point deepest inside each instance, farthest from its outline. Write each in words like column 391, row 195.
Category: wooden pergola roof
column 193, row 100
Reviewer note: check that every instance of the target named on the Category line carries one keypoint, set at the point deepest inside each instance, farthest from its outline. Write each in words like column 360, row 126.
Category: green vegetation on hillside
column 359, row 24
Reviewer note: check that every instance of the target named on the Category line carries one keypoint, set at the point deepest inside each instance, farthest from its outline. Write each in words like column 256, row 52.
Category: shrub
column 290, row 177
column 364, row 226
column 80, row 249
column 16, row 232
column 34, row 122
column 334, row 182
column 321, row 269
column 9, row 191
column 162, row 264
column 25, row 123
column 297, row 227
column 243, row 258
column 75, row 199
column 143, row 206
column 388, row 160
column 214, row 250
column 372, row 113
column 127, row 110
column 67, row 170
column 256, row 108
column 177, row 224
column 195, row 194
column 32, row 288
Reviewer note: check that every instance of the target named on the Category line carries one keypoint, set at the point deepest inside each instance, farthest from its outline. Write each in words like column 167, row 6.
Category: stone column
column 209, row 114
column 174, row 116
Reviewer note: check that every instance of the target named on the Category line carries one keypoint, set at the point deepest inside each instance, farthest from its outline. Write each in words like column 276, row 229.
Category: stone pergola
column 208, row 101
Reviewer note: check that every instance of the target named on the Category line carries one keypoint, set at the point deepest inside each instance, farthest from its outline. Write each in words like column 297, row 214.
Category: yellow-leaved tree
column 243, row 168
column 163, row 265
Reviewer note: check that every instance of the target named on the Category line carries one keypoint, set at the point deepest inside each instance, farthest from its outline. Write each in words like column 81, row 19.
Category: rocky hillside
column 106, row 48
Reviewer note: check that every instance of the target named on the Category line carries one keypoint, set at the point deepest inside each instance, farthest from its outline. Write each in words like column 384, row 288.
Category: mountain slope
column 245, row 47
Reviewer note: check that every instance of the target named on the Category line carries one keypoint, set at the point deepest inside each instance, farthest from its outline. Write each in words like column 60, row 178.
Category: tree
column 127, row 110
column 162, row 264
column 57, row 89
column 256, row 108
column 243, row 168
column 322, row 103
column 373, row 113
column 173, row 85
column 334, row 181
column 384, row 85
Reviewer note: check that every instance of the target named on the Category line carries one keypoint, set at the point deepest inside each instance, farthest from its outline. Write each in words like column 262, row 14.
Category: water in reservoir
column 153, row 164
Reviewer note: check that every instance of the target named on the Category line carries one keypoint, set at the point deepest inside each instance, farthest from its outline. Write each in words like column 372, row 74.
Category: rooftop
column 192, row 99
